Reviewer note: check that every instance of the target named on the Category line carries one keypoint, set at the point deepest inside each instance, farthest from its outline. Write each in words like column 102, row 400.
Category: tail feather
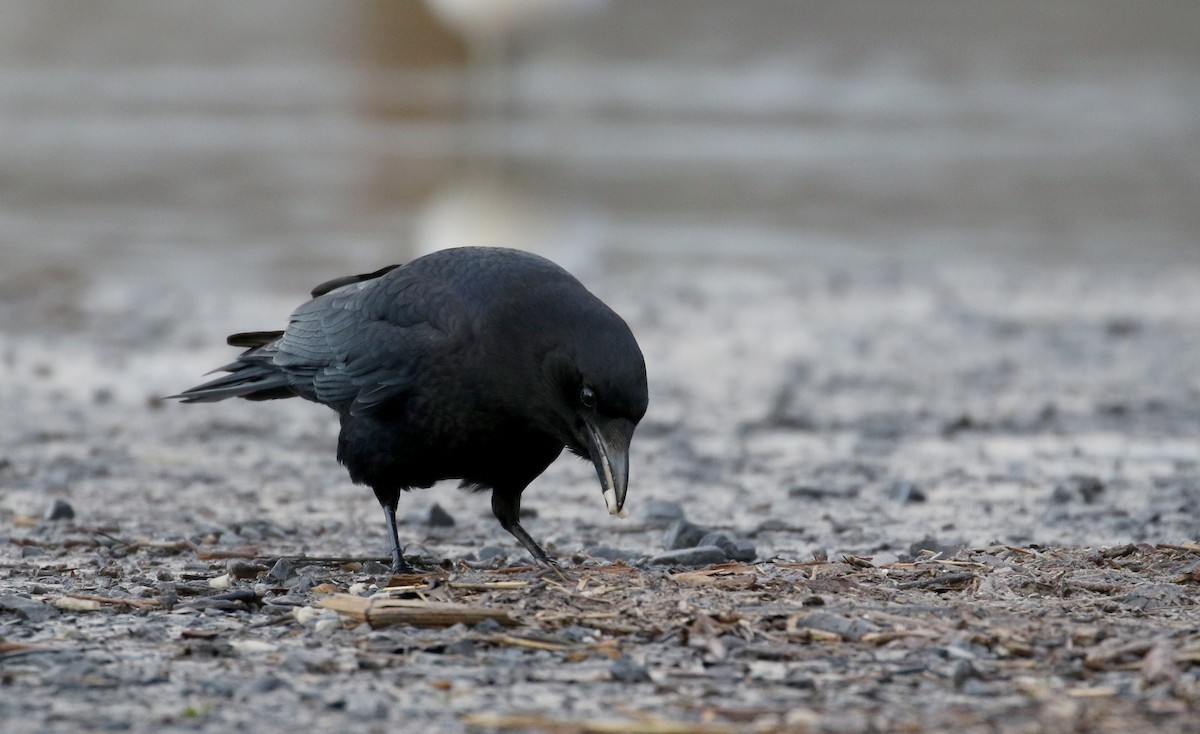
column 252, row 339
column 253, row 376
column 250, row 381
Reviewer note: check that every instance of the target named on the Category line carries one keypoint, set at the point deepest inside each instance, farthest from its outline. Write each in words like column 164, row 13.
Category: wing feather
column 367, row 346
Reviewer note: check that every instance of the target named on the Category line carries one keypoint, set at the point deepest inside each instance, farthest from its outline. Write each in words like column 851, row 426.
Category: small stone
column 439, row 518
column 661, row 513
column 928, row 543
column 1060, row 496
column 1090, row 488
column 26, row 608
column 489, row 626
column 375, row 568
column 683, row 534
column 818, row 492
column 488, row 552
column 281, row 570
column 300, row 583
column 848, row 627
column 240, row 569
column 219, row 582
column 905, row 493
column 464, row 648
column 60, row 509
column 327, row 626
column 743, row 551
column 772, row 525
column 366, row 706
column 305, row 661
column 626, row 670
column 698, row 556
column 884, row 559
column 962, row 671
column 736, row 549
column 605, row 553
column 719, row 539
column 799, row 679
column 946, row 549
column 259, row 686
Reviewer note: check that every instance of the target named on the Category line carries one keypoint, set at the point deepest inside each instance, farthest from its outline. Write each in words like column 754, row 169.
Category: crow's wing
column 365, row 344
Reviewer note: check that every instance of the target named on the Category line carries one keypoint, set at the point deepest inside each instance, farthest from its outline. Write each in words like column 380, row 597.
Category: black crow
column 477, row 364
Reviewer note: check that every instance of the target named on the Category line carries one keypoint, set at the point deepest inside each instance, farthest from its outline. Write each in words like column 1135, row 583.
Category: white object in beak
column 610, row 499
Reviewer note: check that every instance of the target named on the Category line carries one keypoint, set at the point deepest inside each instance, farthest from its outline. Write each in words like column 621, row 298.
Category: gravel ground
column 958, row 495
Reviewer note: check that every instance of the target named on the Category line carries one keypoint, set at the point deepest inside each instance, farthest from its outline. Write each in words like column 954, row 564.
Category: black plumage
column 477, row 364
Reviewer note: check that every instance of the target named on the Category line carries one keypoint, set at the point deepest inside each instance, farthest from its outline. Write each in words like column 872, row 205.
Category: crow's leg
column 389, row 500
column 506, row 506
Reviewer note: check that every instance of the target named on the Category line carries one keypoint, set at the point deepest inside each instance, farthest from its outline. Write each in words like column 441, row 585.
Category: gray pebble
column 848, row 627
column 626, row 670
column 281, row 570
column 259, row 686
column 219, row 686
column 905, row 493
column 963, row 670
column 933, row 545
column 60, row 509
column 464, row 647
column 301, row 582
column 743, row 550
column 683, row 534
column 488, row 626
column 815, row 492
column 1061, row 496
column 375, row 568
column 488, row 552
column 305, row 661
column 366, row 706
column 799, row 679
column 1088, row 487
column 439, row 518
column 928, row 543
column 773, row 525
column 660, row 513
column 606, row 553
column 27, row 608
column 241, row 569
column 736, row 549
column 699, row 556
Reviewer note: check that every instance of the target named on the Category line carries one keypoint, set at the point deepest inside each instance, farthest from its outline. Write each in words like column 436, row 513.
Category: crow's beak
column 608, row 447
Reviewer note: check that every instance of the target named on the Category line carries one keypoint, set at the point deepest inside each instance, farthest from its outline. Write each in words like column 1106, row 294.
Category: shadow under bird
column 476, row 364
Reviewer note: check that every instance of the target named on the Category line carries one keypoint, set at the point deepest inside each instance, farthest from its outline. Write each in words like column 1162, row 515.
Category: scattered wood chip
column 539, row 722
column 1158, row 666
column 943, row 582
column 723, row 577
column 488, row 585
column 117, row 601
column 1107, row 656
column 384, row 612
column 216, row 554
column 73, row 604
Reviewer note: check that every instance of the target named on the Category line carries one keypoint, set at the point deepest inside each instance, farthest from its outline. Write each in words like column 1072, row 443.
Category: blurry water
column 209, row 145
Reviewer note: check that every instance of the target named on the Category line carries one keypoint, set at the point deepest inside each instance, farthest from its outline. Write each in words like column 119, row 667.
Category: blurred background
column 219, row 144
column 864, row 245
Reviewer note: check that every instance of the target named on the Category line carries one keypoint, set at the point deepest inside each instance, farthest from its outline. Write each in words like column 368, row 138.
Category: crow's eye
column 587, row 397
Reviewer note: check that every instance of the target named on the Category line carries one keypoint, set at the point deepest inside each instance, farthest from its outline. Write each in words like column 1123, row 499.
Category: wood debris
column 385, row 612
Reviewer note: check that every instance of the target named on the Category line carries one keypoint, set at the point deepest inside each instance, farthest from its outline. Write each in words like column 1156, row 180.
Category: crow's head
column 596, row 377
